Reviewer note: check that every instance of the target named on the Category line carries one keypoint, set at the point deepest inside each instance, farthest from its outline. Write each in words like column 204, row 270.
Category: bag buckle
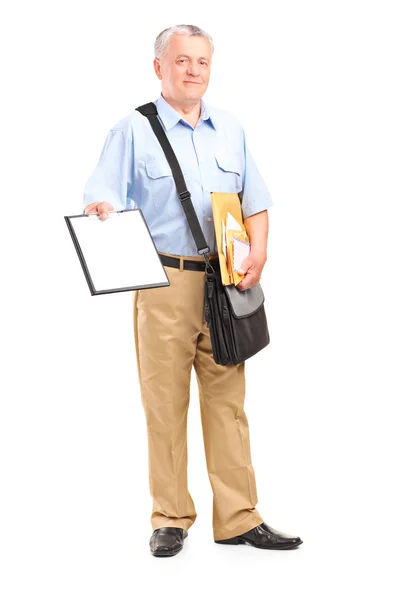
column 184, row 195
column 209, row 268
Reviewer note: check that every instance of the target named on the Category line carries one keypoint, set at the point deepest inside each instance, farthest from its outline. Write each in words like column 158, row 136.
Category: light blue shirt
column 133, row 172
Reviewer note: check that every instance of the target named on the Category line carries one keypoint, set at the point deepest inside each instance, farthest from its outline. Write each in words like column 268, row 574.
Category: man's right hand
column 100, row 208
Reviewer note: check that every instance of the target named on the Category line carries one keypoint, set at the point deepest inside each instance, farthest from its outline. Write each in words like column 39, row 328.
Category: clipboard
column 118, row 254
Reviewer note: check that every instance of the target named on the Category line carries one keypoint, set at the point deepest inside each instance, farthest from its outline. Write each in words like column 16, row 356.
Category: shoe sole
column 239, row 540
column 159, row 555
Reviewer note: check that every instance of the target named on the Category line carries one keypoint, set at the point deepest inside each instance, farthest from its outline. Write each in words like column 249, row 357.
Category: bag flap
column 244, row 303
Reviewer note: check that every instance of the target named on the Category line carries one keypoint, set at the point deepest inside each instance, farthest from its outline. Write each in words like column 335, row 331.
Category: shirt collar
column 170, row 117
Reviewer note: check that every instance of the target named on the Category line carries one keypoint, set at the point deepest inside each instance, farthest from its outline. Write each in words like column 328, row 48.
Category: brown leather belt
column 191, row 265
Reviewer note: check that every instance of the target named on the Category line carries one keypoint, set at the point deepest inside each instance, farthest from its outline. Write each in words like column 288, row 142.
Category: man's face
column 184, row 70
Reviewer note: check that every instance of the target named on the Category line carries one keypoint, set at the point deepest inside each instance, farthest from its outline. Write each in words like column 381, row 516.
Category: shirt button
column 209, row 219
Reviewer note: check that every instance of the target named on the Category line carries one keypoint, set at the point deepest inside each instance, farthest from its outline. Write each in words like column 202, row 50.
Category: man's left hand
column 252, row 267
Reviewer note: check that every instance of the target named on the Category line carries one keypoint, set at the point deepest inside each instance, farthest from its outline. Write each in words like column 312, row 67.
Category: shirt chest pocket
column 228, row 174
column 161, row 188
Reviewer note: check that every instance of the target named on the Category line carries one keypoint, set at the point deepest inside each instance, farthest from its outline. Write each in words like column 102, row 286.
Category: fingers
column 103, row 211
column 91, row 209
column 101, row 208
column 247, row 282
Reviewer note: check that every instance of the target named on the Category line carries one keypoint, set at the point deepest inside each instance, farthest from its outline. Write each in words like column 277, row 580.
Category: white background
column 316, row 86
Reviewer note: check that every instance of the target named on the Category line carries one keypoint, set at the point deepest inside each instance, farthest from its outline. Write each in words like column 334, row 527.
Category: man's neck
column 189, row 110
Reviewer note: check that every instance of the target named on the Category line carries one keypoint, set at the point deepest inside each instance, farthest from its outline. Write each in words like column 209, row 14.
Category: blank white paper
column 231, row 222
column 224, row 240
column 119, row 252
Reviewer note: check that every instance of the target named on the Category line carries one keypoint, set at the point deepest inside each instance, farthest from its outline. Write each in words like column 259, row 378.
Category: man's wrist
column 258, row 253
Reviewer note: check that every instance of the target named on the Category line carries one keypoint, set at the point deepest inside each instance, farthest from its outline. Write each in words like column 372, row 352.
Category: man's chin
column 193, row 91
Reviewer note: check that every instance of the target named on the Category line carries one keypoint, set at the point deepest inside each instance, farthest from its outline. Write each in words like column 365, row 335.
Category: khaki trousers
column 171, row 336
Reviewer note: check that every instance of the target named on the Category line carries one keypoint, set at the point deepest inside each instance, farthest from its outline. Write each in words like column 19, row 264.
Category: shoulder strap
column 149, row 110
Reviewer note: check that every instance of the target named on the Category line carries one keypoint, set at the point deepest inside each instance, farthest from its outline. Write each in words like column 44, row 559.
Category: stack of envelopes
column 232, row 239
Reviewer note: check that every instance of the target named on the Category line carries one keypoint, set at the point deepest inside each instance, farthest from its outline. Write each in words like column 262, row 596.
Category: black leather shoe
column 167, row 541
column 264, row 536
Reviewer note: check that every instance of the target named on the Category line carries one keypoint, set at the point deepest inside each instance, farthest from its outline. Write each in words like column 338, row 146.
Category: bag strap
column 149, row 110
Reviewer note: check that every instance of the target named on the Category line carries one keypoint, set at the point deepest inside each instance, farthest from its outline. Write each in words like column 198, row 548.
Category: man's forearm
column 257, row 230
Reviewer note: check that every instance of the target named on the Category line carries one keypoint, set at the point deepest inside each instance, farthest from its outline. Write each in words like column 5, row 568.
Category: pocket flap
column 244, row 303
column 229, row 162
column 155, row 169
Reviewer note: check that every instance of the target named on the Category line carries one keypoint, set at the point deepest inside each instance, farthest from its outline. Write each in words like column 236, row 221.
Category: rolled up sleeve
column 255, row 195
column 111, row 180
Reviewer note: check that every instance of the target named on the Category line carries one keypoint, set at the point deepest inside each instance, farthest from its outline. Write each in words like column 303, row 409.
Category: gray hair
column 163, row 38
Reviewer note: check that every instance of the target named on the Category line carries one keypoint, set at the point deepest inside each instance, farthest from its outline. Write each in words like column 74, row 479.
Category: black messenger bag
column 236, row 319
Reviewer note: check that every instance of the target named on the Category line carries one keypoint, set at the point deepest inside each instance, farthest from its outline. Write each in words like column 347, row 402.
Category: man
column 171, row 334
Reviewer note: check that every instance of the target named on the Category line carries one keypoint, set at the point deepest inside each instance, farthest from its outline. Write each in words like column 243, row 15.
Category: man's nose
column 193, row 69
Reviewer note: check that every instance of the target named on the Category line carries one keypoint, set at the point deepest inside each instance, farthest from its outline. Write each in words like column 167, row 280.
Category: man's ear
column 157, row 68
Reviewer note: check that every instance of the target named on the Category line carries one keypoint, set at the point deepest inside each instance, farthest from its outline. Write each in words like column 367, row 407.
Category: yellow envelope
column 222, row 203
